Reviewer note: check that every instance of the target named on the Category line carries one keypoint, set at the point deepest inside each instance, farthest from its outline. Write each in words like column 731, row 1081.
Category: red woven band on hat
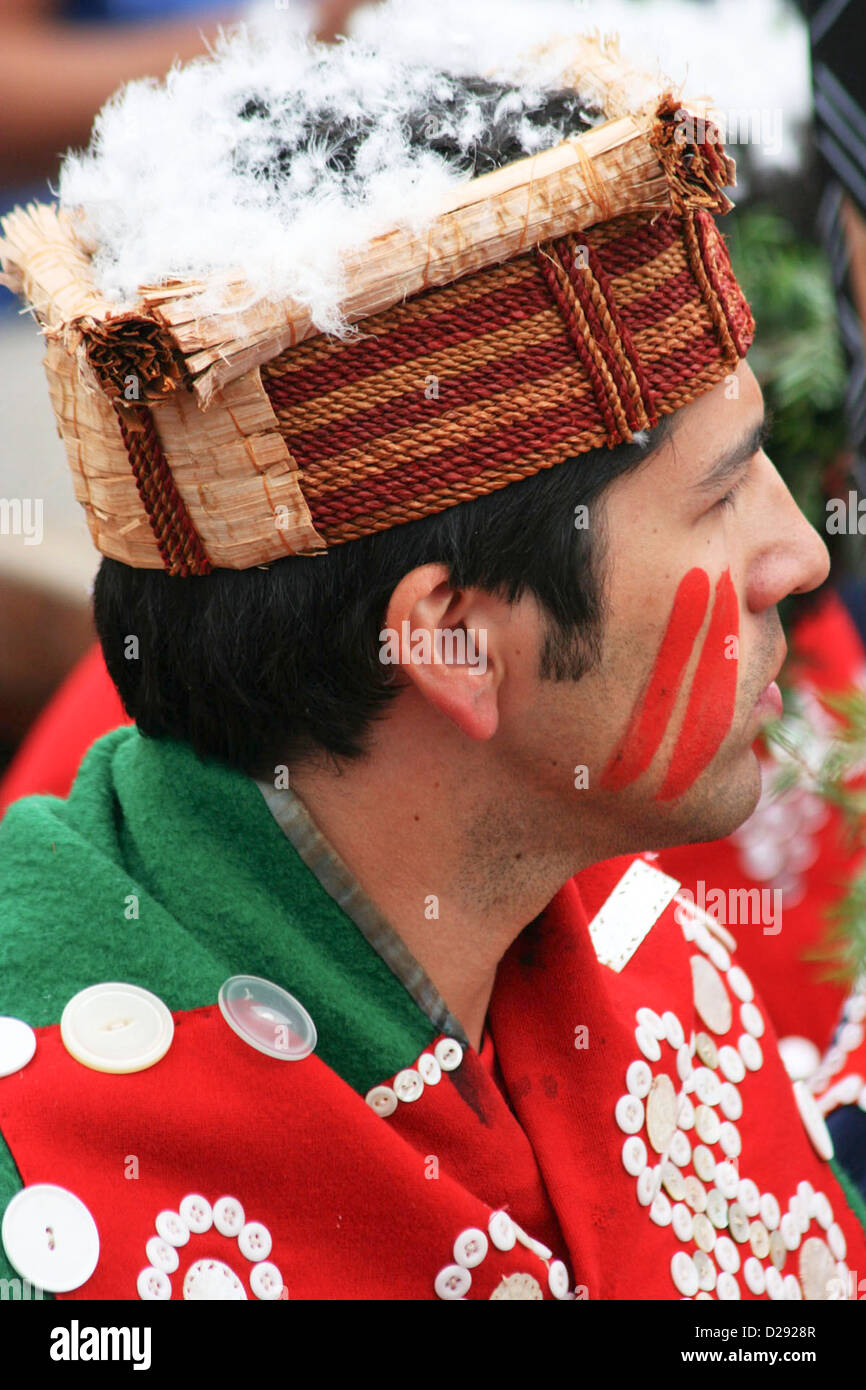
column 464, row 389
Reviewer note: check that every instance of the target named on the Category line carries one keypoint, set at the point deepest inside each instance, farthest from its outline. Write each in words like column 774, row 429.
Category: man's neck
column 457, row 866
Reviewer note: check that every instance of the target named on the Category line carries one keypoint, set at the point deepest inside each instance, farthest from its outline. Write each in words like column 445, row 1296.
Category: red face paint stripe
column 653, row 709
column 710, row 710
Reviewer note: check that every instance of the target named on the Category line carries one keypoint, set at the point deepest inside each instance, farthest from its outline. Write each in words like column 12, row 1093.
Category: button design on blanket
column 17, row 1045
column 116, row 1028
column 50, row 1238
column 712, row 1210
column 209, row 1278
column 267, row 1017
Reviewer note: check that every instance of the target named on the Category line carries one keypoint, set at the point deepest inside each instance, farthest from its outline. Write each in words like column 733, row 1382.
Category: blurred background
column 785, row 77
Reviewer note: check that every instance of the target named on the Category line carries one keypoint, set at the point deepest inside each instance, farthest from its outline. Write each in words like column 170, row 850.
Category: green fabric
column 220, row 891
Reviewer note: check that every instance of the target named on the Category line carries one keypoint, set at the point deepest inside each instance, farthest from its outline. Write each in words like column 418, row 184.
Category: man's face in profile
column 693, row 571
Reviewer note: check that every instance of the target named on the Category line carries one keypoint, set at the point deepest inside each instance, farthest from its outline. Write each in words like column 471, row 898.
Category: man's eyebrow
column 731, row 461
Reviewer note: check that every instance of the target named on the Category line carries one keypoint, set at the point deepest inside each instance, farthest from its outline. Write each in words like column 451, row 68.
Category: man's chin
column 719, row 802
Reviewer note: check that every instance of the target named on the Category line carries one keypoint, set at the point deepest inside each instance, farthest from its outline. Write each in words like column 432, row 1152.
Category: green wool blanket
column 168, row 872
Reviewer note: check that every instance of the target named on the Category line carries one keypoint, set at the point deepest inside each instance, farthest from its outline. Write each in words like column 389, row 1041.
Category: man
column 325, row 1012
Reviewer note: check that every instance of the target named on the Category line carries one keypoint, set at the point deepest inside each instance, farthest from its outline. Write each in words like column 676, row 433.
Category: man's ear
column 440, row 637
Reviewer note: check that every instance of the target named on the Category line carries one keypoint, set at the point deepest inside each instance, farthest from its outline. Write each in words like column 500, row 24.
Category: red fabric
column 365, row 1206
column 84, row 708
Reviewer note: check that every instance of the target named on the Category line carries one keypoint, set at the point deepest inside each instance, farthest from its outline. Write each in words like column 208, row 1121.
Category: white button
column 813, row 1121
column 684, row 1062
column 680, row 1150
column 660, row 1210
column 727, row 1287
column 266, row 1281
column 741, row 984
column 382, row 1099
column 707, row 1124
column 684, row 1274
column 153, row 1285
column 685, row 1113
column 171, row 1227
column 50, row 1237
column 558, row 1280
column 267, row 1017
column 707, row 1050
column 844, row 1092
column 634, row 1156
column 753, row 1273
column 683, row 1222
column 729, row 1138
column 806, row 1193
column 704, row 1163
column 629, row 1114
column 800, row 1057
column 17, row 1045
column 792, row 1290
column 228, row 1216
column 717, row 1209
column 770, row 1211
column 712, row 1000
column 162, row 1255
column 254, row 1241
column 501, row 1230
column 706, row 1270
column 749, row 1196
column 453, row 1281
column 855, row 1007
column 197, row 1212
column 648, row 1183
column 647, row 1042
column 449, row 1053
column 696, row 1193
column 638, row 1079
column 408, row 1084
column 837, row 1242
column 727, row 1180
column 730, row 1101
column 799, row 1209
column 775, row 1283
column 648, row 1018
column 673, row 1029
column 661, row 1113
column 536, row 1246
column 790, row 1228
column 823, row 1210
column 731, row 1063
column 116, row 1028
column 727, row 1255
column 752, row 1019
column 718, row 955
column 707, row 1086
column 428, row 1069
column 470, row 1247
column 750, row 1051
column 212, row 1281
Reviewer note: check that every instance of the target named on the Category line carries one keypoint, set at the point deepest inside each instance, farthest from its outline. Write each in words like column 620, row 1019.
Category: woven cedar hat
column 560, row 304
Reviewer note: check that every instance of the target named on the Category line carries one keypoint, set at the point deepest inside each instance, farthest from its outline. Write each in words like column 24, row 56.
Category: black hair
column 270, row 664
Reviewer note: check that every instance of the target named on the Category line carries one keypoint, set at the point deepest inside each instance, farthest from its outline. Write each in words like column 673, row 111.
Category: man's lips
column 769, row 702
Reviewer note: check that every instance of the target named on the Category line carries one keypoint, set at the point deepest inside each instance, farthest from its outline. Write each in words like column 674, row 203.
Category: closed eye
column 730, row 495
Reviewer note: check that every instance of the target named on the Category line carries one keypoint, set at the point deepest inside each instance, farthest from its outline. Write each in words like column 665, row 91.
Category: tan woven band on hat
column 497, row 341
column 467, row 388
